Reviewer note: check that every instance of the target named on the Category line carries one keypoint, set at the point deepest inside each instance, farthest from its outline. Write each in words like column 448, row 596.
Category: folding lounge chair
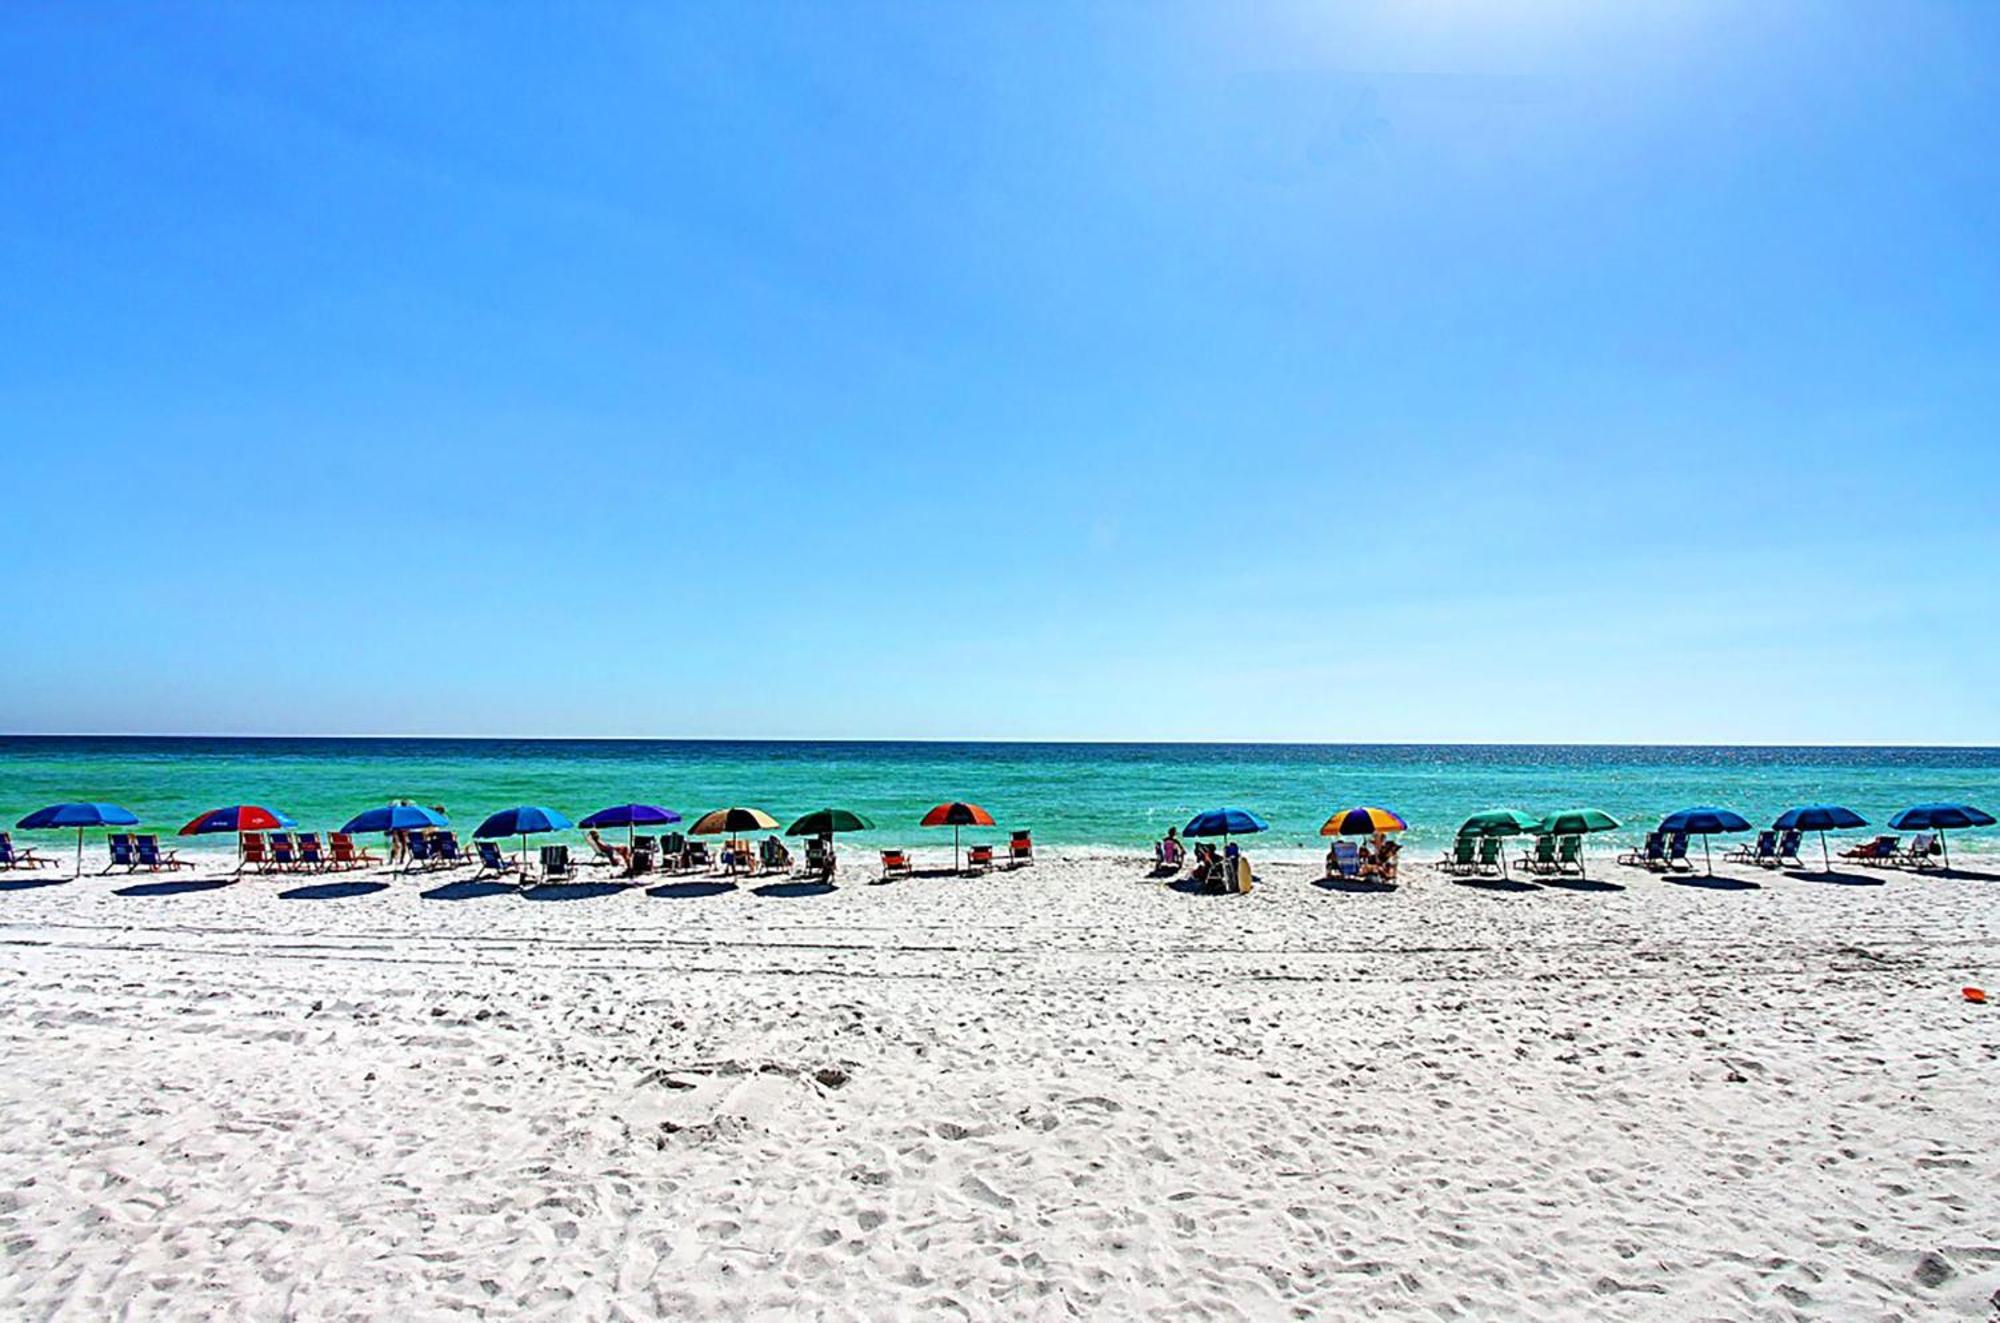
column 1489, row 854
column 1569, row 854
column 284, row 854
column 12, row 858
column 644, row 854
column 444, row 850
column 1542, row 859
column 310, row 855
column 771, row 852
column 1788, row 849
column 1464, row 857
column 1763, row 849
column 978, row 858
column 345, row 855
column 1919, row 853
column 491, row 862
column 556, row 866
column 153, row 859
column 1652, row 854
column 1021, row 850
column 1677, row 854
column 1874, row 852
column 417, row 852
column 256, row 854
column 124, row 854
column 695, row 856
column 895, row 864
column 819, row 859
column 1346, row 859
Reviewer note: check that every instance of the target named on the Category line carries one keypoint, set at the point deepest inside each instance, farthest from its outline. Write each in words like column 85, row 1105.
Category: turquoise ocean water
column 1098, row 795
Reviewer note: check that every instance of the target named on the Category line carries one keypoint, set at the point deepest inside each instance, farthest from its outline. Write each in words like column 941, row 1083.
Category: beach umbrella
column 1576, row 822
column 79, row 816
column 1499, row 822
column 732, row 820
column 1704, row 822
column 827, row 821
column 631, row 817
column 394, row 817
column 1363, row 822
column 523, row 821
column 238, row 818
column 956, row 814
column 1821, row 818
column 1941, row 818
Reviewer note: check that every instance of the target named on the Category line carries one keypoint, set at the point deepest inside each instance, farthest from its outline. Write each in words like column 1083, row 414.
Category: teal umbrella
column 1499, row 822
column 1576, row 822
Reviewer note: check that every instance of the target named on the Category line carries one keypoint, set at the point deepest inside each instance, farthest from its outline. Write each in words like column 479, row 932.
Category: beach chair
column 1346, row 859
column 1464, row 857
column 311, row 856
column 256, row 853
column 773, row 855
column 1542, row 859
column 416, row 851
column 346, row 855
column 556, row 866
column 491, row 862
column 1788, row 850
column 1874, row 853
column 673, row 852
column 644, row 855
column 978, row 858
column 1651, row 854
column 1919, row 853
column 124, row 854
column 1489, row 855
column 695, row 856
column 12, row 858
column 1763, row 851
column 1020, row 850
column 148, row 855
column 819, row 859
column 1676, row 859
column 1569, row 854
column 895, row 864
column 284, row 854
column 601, row 854
column 444, row 850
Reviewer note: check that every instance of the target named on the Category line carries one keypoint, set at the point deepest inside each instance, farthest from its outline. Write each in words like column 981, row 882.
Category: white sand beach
column 1059, row 1092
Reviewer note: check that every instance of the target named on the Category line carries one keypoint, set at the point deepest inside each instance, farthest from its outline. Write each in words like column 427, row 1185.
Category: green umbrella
column 827, row 821
column 1575, row 822
column 1499, row 822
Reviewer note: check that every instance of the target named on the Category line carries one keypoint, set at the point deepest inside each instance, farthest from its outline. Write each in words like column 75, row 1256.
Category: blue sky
column 1412, row 371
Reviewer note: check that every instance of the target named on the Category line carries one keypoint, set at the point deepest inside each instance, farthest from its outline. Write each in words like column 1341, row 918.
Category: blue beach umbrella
column 1225, row 822
column 79, row 816
column 631, row 817
column 1821, row 818
column 1703, row 822
column 1941, row 818
column 395, row 817
column 526, row 820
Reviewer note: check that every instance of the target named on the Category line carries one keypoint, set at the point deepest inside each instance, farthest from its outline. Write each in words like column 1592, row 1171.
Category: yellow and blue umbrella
column 1364, row 821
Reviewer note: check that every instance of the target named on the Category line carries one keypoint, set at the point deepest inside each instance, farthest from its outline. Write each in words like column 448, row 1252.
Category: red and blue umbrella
column 238, row 818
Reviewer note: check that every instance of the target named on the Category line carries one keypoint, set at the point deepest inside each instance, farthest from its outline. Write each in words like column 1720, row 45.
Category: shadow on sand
column 691, row 890
column 570, row 890
column 30, row 883
column 1355, row 886
column 1509, row 885
column 186, row 884
column 1715, row 882
column 333, row 890
column 1597, row 884
column 783, row 889
column 1836, row 879
column 469, row 889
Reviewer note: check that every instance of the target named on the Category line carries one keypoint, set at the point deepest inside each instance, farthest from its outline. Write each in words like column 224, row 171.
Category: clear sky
column 1405, row 371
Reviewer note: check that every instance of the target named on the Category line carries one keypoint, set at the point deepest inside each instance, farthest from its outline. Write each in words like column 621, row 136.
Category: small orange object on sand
column 1976, row 995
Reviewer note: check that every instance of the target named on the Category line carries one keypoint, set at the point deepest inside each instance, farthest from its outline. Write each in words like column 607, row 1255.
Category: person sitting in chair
column 618, row 856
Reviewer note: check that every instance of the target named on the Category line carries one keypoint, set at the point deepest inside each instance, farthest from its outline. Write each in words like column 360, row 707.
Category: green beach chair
column 1569, row 854
column 1489, row 855
column 1542, row 859
column 1463, row 858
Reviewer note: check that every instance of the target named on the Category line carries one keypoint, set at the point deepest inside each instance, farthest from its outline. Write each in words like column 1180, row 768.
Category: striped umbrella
column 1363, row 822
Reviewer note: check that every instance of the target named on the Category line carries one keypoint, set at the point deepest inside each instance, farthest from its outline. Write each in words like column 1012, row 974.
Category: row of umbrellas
column 524, row 821
column 1703, row 821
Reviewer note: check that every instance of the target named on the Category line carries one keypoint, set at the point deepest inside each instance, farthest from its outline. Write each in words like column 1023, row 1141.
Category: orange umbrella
column 954, row 815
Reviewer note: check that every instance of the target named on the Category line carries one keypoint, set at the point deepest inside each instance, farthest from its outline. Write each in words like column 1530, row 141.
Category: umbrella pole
column 954, row 847
column 1944, row 844
column 79, row 852
column 1825, row 864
